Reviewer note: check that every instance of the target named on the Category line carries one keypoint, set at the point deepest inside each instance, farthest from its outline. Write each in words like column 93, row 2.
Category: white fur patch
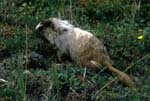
column 38, row 26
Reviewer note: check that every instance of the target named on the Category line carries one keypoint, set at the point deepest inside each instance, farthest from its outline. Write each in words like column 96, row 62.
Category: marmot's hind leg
column 94, row 65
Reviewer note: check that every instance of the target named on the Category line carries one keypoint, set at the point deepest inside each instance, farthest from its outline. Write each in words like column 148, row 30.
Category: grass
column 117, row 23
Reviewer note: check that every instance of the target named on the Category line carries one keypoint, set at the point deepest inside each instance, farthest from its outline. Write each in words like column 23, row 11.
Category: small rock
column 137, row 81
column 37, row 61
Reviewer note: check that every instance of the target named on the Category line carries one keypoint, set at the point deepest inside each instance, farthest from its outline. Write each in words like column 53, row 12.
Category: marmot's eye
column 65, row 30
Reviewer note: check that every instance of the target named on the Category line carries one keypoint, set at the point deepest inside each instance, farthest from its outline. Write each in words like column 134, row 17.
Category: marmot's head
column 53, row 25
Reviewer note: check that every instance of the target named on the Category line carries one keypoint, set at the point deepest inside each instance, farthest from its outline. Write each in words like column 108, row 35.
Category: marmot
column 82, row 46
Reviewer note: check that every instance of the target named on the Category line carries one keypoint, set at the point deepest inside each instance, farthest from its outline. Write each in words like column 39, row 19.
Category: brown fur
column 82, row 46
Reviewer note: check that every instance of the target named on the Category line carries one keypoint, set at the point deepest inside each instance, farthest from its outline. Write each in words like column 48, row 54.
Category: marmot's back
column 89, row 48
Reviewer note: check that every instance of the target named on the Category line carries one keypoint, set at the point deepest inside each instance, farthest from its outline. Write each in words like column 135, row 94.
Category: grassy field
column 33, row 72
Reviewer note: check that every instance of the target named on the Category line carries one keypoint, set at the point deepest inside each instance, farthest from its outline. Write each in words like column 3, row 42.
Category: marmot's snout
column 53, row 23
column 42, row 25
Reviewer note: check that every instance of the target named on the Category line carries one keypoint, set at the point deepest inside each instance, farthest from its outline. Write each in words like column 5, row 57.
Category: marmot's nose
column 39, row 26
column 38, row 29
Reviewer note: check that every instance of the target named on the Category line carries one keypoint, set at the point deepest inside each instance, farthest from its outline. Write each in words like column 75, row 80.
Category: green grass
column 117, row 23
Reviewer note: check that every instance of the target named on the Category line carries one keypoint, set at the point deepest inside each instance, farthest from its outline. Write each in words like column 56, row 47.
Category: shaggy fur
column 82, row 46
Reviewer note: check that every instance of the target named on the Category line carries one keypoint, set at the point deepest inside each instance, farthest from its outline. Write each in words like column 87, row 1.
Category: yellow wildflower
column 140, row 37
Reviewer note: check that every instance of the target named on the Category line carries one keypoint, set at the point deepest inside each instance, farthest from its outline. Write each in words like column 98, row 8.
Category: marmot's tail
column 122, row 76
